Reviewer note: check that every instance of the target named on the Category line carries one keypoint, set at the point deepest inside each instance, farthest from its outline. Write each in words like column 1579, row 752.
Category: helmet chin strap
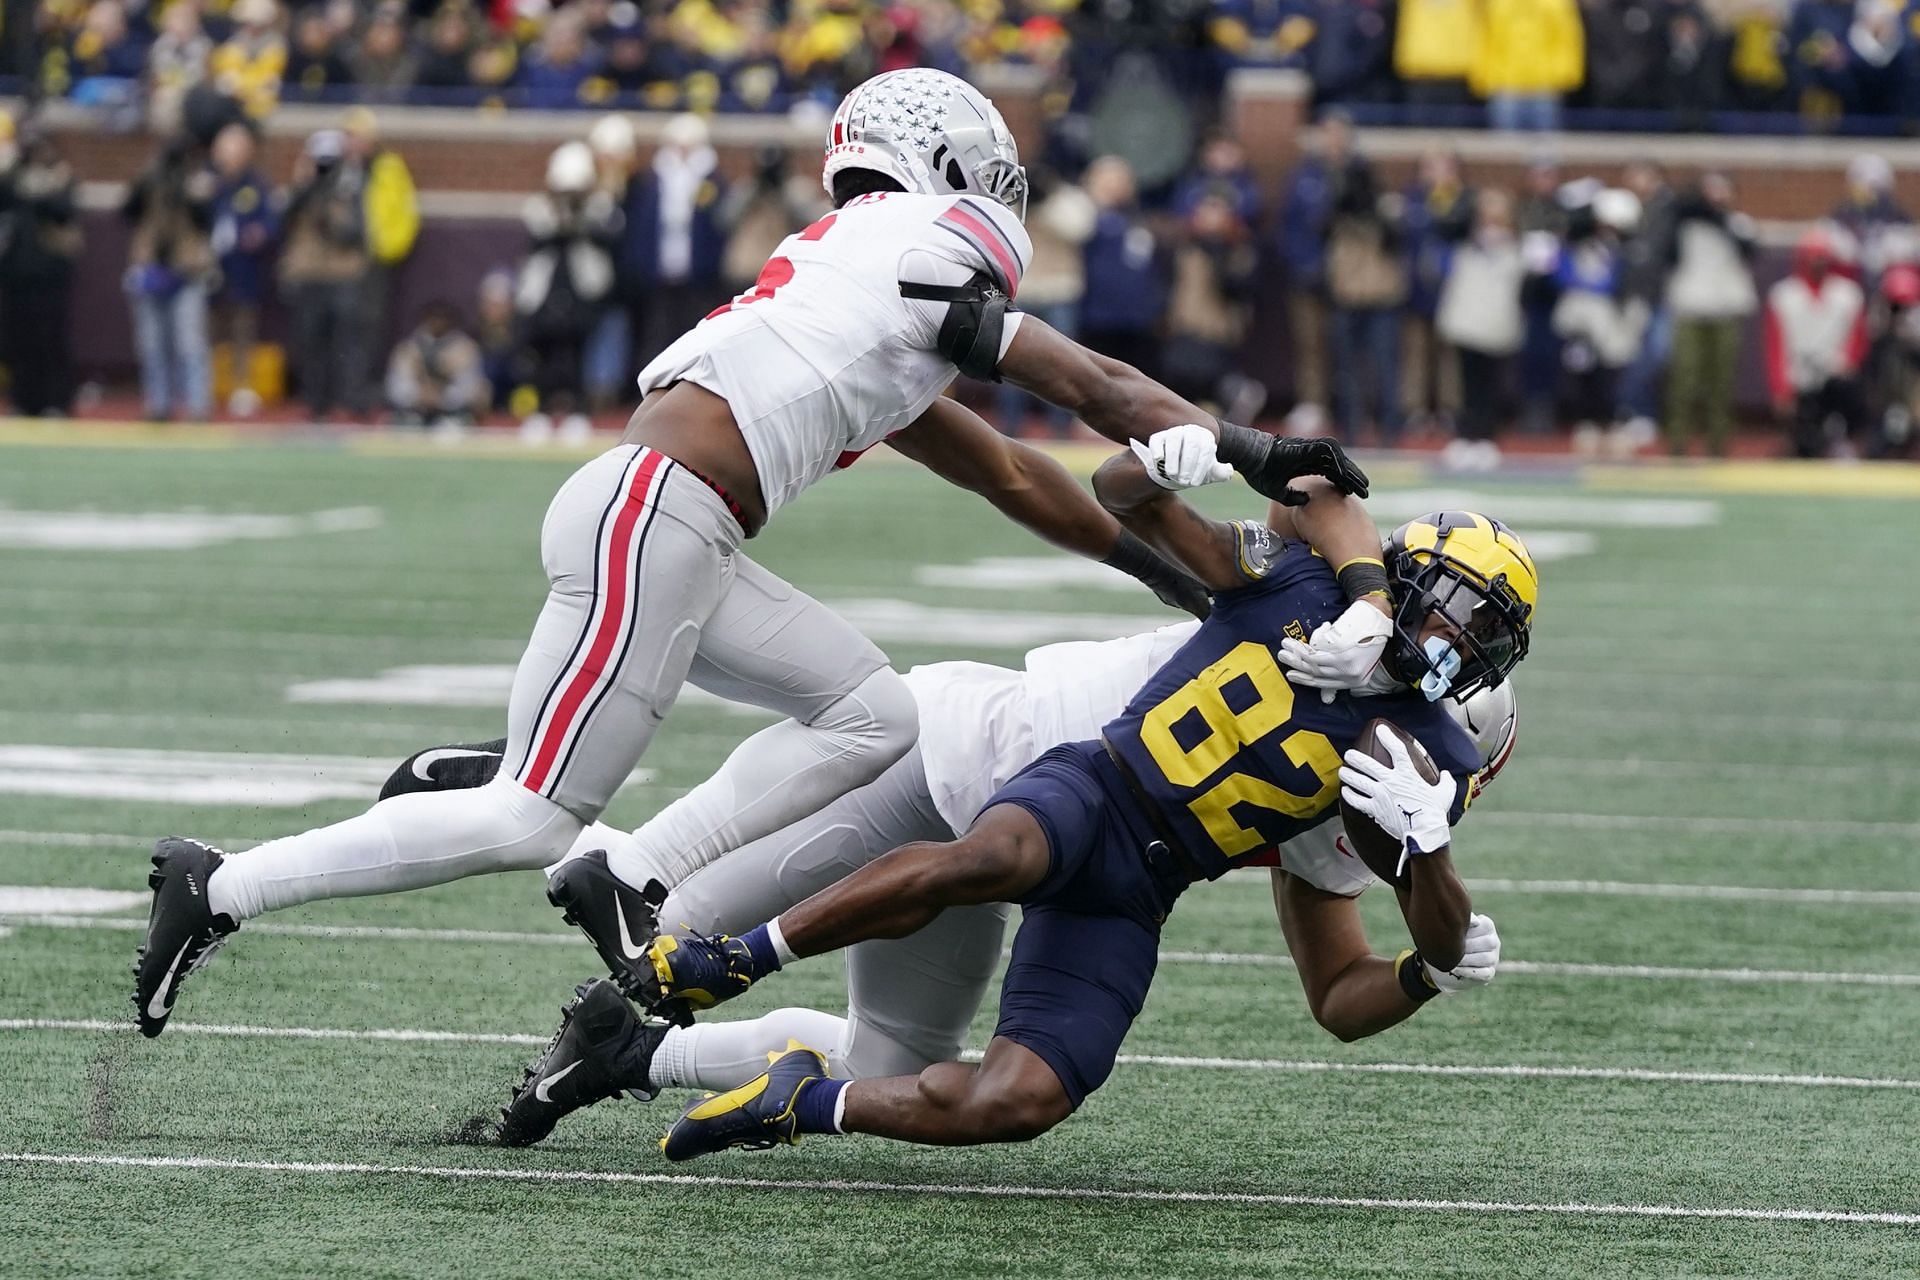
column 1444, row 662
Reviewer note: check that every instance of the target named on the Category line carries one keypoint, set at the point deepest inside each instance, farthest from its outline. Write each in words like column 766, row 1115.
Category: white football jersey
column 823, row 359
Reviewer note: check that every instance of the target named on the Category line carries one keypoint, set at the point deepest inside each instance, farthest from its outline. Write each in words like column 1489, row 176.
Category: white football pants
column 648, row 590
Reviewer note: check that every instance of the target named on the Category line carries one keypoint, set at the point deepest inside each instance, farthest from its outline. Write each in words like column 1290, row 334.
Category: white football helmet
column 932, row 132
column 1491, row 717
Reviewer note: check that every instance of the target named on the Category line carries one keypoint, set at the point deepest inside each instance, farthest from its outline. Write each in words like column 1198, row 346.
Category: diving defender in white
column 855, row 327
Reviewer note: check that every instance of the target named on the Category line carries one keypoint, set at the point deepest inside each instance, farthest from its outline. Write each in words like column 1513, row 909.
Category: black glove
column 1174, row 585
column 1268, row 462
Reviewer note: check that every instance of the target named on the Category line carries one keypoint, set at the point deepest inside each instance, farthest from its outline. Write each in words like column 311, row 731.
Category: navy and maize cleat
column 602, row 1050
column 693, row 971
column 762, row 1113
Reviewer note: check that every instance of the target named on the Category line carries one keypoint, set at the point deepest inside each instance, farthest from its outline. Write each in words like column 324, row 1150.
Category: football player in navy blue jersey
column 1216, row 759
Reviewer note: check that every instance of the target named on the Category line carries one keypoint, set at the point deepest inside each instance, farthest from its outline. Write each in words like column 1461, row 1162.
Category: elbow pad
column 975, row 323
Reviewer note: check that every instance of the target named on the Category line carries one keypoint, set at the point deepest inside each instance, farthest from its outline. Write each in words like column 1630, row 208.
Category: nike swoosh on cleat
column 540, row 1090
column 162, row 1004
column 627, row 947
column 427, row 759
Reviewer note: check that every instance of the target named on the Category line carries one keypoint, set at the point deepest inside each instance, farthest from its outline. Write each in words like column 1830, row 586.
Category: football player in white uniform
column 852, row 332
column 912, row 1000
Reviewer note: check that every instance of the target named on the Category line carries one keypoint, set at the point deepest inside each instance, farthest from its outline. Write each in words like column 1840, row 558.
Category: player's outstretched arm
column 1033, row 490
column 1206, row 548
column 1123, row 404
column 1352, row 992
column 1112, row 397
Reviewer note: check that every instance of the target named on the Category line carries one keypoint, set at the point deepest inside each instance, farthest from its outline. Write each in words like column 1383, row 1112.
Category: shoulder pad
column 1258, row 548
column 997, row 240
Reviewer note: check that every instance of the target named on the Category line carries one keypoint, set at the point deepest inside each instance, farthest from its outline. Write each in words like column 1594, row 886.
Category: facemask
column 1445, row 661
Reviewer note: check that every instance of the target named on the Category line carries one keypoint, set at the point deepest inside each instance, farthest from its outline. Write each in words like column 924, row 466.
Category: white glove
column 1404, row 805
column 1344, row 654
column 1477, row 962
column 1182, row 457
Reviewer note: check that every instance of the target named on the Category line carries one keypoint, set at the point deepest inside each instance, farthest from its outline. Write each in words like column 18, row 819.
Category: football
column 1380, row 851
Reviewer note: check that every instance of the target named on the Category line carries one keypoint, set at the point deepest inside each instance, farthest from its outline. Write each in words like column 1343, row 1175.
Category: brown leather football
column 1373, row 846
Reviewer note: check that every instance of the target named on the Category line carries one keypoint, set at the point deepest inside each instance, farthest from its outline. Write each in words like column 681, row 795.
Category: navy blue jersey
column 1234, row 758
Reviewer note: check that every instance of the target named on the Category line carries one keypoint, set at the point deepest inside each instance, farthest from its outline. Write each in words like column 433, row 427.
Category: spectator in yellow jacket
column 391, row 213
column 249, row 64
column 1531, row 53
column 1433, row 49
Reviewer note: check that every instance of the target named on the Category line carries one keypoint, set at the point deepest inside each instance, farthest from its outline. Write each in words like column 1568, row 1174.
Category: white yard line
column 1515, row 818
column 1708, row 825
column 75, row 839
column 1682, row 892
column 1857, row 771
column 384, row 1034
column 1563, row 969
column 392, row 933
column 1295, row 1066
column 1542, row 968
column 839, row 1186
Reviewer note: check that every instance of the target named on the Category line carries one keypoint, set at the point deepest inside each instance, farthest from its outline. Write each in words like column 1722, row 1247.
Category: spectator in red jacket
column 1816, row 341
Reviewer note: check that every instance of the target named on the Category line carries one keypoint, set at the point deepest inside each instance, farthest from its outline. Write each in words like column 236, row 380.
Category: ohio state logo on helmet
column 931, row 132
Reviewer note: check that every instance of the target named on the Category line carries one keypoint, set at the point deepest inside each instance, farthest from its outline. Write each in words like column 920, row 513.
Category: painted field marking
column 1289, row 1066
column 1712, row 892
column 464, row 685
column 1522, row 511
column 1568, row 969
column 187, row 777
column 1695, row 822
column 839, row 1186
column 1542, row 968
column 34, row 900
column 254, row 779
column 1858, row 771
column 274, row 928
column 167, row 530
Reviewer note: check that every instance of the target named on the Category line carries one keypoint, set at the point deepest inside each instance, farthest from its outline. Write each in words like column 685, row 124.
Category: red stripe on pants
column 621, row 550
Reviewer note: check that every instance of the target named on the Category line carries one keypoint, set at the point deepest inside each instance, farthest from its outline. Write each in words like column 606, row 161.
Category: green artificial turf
column 1725, row 704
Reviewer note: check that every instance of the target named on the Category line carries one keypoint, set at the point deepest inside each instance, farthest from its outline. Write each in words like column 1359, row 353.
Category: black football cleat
column 456, row 768
column 182, row 930
column 762, row 1113
column 618, row 920
column 601, row 1051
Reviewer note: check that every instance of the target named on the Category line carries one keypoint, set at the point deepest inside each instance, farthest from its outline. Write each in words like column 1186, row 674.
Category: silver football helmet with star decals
column 932, row 132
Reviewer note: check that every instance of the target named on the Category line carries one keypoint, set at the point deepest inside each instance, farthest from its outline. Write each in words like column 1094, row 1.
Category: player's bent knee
column 517, row 827
column 879, row 719
column 1019, row 1112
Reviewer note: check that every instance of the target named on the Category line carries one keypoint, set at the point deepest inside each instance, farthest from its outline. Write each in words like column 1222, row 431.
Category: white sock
column 776, row 777
column 725, row 1055
column 597, row 836
column 781, row 950
column 408, row 842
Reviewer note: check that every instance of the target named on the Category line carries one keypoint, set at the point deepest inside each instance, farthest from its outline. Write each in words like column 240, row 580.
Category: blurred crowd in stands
column 1440, row 306
column 1673, row 64
column 1439, row 310
column 1615, row 310
column 704, row 55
